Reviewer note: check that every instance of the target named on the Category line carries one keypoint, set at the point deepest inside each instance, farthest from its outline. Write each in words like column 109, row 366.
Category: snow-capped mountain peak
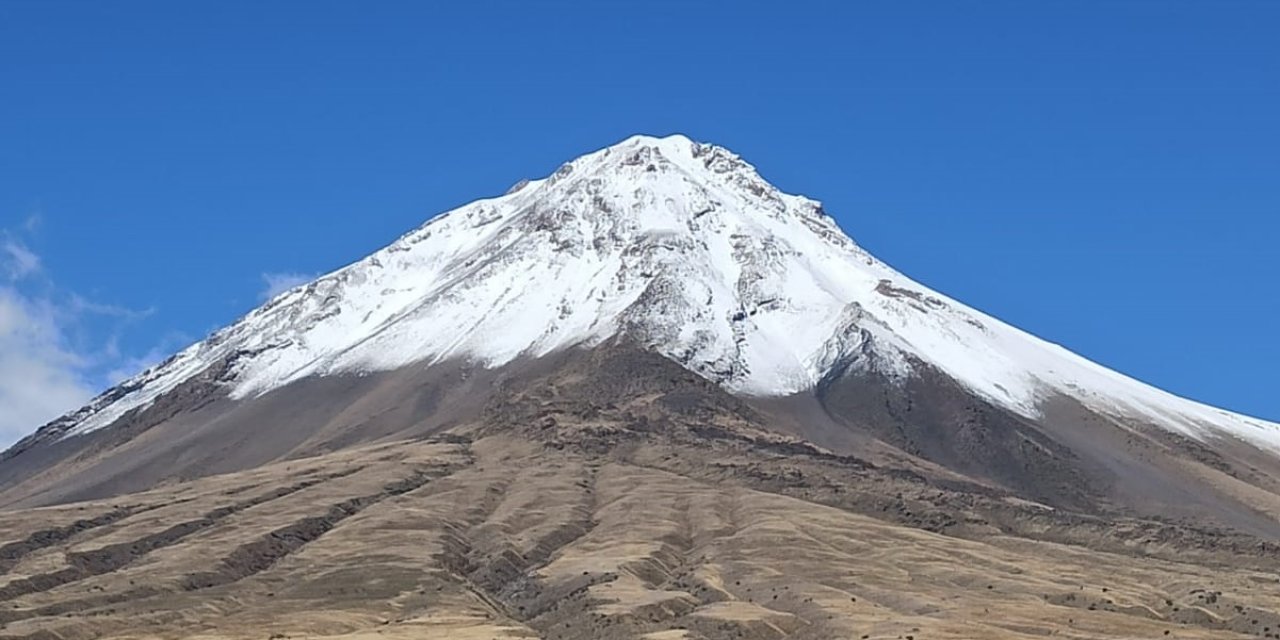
column 679, row 245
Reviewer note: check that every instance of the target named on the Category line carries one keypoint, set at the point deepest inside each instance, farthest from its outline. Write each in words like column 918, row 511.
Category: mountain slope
column 499, row 538
column 614, row 495
column 679, row 245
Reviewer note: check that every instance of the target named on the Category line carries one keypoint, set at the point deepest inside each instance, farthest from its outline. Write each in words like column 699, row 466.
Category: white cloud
column 47, row 365
column 78, row 304
column 19, row 261
column 40, row 376
column 275, row 284
column 58, row 348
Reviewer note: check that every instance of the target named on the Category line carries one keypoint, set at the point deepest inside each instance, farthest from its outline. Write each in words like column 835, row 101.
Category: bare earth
column 501, row 537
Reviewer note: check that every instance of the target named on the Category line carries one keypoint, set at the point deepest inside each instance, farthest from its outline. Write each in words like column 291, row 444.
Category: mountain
column 679, row 247
column 678, row 244
column 657, row 313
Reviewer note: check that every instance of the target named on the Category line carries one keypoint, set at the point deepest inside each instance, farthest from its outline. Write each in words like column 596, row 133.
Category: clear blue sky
column 1103, row 174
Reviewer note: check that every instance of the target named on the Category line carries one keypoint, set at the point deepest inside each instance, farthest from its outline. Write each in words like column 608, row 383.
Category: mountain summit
column 677, row 245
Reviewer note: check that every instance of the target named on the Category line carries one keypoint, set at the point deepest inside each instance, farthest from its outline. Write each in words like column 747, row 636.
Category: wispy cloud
column 47, row 366
column 275, row 284
column 78, row 304
column 58, row 348
column 32, row 222
column 19, row 261
column 40, row 375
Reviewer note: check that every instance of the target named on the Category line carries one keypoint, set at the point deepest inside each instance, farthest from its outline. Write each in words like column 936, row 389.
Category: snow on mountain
column 679, row 244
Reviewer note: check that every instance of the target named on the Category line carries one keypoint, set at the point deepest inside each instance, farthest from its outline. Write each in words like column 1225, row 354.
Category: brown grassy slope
column 508, row 537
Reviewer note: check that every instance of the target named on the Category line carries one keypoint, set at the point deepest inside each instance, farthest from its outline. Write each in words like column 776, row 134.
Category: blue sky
column 1103, row 174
